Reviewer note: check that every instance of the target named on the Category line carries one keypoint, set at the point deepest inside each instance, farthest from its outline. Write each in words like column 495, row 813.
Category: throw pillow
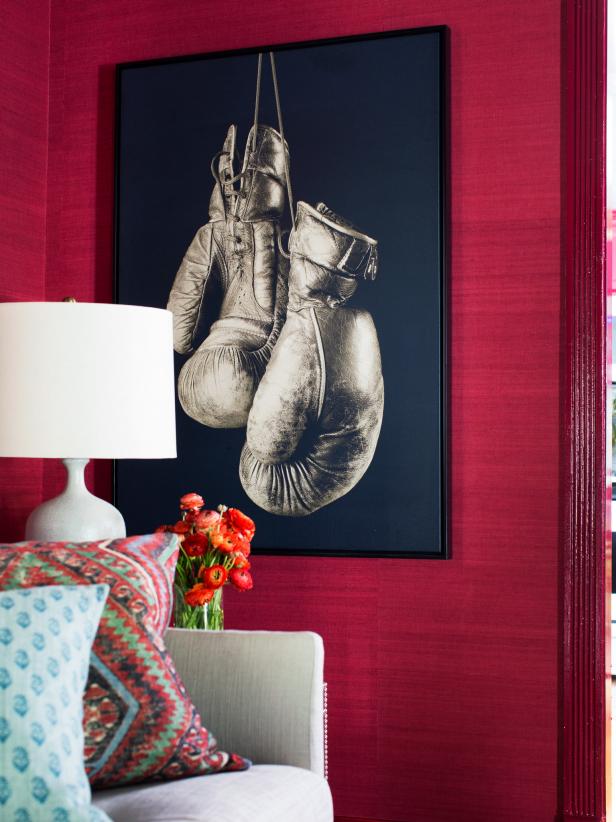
column 139, row 721
column 46, row 635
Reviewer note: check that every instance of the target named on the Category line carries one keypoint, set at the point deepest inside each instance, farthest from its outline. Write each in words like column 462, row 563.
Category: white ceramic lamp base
column 76, row 514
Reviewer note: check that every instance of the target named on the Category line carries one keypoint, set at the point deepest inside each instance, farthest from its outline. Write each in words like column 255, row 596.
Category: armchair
column 262, row 697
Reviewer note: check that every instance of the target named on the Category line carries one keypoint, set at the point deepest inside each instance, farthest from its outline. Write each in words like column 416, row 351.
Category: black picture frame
column 155, row 175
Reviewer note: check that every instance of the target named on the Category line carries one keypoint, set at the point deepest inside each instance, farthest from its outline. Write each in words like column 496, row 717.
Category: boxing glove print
column 240, row 246
column 316, row 417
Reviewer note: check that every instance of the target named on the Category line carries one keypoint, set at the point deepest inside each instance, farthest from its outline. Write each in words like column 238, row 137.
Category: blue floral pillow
column 45, row 640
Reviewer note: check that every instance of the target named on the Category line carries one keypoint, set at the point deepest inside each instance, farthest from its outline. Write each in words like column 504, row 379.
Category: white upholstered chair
column 261, row 695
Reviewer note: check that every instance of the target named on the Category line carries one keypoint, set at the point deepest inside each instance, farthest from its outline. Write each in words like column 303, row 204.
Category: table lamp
column 81, row 381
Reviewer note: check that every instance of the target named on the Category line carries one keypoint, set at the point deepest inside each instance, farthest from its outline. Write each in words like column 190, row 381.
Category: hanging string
column 257, row 96
column 254, row 136
column 253, row 145
column 281, row 129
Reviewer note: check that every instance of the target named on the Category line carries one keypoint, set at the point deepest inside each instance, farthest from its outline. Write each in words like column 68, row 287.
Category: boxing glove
column 316, row 417
column 239, row 245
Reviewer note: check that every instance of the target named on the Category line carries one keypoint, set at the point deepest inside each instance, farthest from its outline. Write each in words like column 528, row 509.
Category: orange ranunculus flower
column 240, row 522
column 230, row 538
column 195, row 545
column 216, row 539
column 223, row 540
column 181, row 527
column 191, row 501
column 243, row 544
column 241, row 578
column 214, row 576
column 241, row 561
column 239, row 541
column 206, row 519
column 199, row 594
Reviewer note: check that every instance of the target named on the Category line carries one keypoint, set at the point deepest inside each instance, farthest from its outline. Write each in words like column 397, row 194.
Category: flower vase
column 214, row 614
column 209, row 617
column 185, row 616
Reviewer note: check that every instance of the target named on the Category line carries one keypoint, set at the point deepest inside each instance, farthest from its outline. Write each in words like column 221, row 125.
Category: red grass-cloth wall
column 24, row 67
column 442, row 675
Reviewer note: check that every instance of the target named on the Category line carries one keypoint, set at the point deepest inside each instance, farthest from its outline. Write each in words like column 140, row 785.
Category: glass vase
column 214, row 614
column 209, row 617
column 187, row 616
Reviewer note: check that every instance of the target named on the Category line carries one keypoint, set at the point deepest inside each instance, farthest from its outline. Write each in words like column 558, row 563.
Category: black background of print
column 364, row 122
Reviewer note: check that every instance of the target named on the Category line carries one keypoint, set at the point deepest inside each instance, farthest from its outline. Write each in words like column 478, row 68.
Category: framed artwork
column 288, row 206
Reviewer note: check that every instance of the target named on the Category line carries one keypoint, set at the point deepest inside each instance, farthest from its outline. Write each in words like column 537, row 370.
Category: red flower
column 181, row 527
column 199, row 594
column 240, row 522
column 242, row 544
column 227, row 539
column 223, row 540
column 191, row 516
column 164, row 529
column 195, row 545
column 214, row 576
column 206, row 519
column 241, row 561
column 241, row 579
column 191, row 501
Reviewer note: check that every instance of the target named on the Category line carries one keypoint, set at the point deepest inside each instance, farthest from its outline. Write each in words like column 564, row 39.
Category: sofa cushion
column 265, row 793
column 45, row 635
column 139, row 721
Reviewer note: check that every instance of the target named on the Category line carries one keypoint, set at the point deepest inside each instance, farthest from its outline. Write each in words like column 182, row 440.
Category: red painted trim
column 583, row 725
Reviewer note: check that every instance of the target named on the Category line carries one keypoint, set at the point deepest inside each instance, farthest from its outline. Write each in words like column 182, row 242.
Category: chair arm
column 259, row 692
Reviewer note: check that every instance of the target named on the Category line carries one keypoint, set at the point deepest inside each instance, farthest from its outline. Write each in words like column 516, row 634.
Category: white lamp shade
column 86, row 380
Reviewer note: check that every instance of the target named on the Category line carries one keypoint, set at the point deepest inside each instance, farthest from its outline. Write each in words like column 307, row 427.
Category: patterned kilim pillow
column 138, row 719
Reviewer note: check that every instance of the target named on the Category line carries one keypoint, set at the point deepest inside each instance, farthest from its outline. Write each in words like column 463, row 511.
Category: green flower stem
column 186, row 616
column 215, row 613
column 210, row 616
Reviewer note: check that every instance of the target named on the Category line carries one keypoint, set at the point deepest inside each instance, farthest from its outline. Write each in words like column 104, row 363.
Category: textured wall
column 24, row 74
column 442, row 675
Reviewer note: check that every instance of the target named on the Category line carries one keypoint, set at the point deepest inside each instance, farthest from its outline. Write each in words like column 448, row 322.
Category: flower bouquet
column 214, row 551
